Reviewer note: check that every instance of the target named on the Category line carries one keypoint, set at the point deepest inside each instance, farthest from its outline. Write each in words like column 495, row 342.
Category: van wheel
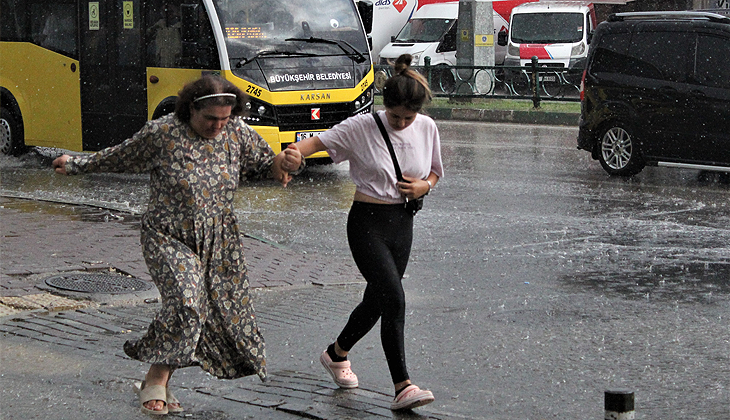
column 519, row 83
column 11, row 135
column 619, row 151
column 443, row 79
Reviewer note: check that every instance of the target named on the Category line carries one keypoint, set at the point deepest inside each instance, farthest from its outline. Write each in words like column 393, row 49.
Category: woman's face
column 400, row 117
column 208, row 122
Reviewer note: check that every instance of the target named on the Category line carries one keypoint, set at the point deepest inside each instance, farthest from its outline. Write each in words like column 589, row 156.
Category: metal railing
column 528, row 82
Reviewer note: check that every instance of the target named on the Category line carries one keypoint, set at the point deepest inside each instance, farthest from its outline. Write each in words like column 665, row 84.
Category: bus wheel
column 11, row 136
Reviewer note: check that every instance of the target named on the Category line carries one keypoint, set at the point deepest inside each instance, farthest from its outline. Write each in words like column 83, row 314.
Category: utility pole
column 475, row 43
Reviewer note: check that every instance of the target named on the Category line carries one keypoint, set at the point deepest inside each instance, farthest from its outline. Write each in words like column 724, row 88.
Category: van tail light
column 583, row 86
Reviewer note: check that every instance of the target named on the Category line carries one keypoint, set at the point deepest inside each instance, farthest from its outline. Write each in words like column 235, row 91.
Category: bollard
column 427, row 68
column 619, row 405
column 535, row 83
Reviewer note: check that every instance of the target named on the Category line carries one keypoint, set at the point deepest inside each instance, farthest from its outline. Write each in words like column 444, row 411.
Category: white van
column 557, row 33
column 389, row 16
column 431, row 32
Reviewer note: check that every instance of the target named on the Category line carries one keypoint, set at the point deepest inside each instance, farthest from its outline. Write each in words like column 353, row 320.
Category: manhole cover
column 97, row 283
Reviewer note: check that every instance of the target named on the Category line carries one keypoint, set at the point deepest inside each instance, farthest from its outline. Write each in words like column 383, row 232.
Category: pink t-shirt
column 358, row 140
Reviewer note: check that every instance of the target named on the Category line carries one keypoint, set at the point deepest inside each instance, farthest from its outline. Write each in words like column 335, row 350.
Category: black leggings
column 380, row 237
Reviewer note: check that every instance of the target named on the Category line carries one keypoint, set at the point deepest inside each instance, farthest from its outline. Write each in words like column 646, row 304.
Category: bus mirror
column 365, row 8
column 502, row 38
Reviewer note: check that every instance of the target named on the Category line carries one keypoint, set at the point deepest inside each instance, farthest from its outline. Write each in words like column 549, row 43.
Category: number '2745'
column 251, row 90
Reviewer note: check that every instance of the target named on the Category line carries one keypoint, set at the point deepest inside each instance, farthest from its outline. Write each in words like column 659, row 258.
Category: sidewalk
column 43, row 239
column 63, row 325
column 62, row 349
column 457, row 112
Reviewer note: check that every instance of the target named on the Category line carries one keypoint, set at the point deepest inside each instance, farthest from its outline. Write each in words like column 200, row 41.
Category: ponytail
column 406, row 87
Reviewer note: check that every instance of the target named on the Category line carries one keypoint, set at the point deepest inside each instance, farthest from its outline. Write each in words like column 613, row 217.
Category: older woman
column 190, row 236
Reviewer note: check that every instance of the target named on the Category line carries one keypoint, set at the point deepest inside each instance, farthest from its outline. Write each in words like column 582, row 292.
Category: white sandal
column 149, row 393
column 168, row 394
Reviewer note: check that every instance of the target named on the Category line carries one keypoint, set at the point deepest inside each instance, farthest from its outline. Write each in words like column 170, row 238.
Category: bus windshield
column 546, row 28
column 424, row 30
column 256, row 28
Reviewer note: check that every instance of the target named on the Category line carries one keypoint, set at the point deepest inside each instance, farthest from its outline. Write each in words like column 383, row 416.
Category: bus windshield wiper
column 265, row 53
column 352, row 53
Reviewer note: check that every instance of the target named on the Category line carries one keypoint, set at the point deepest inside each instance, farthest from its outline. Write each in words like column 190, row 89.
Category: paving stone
column 45, row 301
column 7, row 311
column 20, row 303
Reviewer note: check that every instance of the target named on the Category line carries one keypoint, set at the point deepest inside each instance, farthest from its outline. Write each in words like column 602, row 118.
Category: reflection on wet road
column 509, row 190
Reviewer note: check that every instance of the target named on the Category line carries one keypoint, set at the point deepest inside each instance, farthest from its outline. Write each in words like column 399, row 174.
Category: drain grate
column 97, row 283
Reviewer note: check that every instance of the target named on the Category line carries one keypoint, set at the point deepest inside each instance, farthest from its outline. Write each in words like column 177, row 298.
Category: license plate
column 302, row 135
column 549, row 78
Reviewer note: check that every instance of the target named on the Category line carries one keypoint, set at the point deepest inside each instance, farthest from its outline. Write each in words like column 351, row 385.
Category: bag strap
column 398, row 173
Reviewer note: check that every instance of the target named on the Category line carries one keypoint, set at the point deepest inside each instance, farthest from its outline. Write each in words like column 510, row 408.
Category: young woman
column 379, row 227
column 190, row 236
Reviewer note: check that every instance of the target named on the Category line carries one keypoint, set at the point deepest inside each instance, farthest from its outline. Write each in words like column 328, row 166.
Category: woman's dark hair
column 189, row 96
column 406, row 87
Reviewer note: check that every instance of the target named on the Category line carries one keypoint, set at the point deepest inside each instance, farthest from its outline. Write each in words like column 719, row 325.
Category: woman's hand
column 59, row 164
column 413, row 187
column 292, row 158
column 416, row 187
column 285, row 162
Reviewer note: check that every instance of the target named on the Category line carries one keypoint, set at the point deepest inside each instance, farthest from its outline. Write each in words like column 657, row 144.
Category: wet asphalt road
column 536, row 283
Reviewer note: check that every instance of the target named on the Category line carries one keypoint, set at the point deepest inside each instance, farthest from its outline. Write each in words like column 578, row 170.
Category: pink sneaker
column 340, row 371
column 411, row 397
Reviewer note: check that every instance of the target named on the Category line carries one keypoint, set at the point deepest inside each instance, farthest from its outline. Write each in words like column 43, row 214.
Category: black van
column 656, row 91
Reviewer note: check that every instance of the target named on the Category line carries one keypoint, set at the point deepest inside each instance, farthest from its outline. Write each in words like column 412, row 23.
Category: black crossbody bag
column 411, row 205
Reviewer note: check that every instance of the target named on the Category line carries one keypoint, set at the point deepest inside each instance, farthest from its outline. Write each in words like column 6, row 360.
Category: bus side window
column 164, row 37
column 54, row 27
column 164, row 43
column 199, row 46
column 11, row 26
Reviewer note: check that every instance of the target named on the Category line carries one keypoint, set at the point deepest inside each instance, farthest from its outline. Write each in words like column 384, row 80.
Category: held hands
column 59, row 164
column 413, row 187
column 285, row 162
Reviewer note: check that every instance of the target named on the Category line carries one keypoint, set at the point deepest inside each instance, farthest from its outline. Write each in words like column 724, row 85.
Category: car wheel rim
column 6, row 137
column 616, row 148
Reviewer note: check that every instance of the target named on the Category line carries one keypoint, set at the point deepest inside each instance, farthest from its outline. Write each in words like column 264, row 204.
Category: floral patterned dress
column 192, row 243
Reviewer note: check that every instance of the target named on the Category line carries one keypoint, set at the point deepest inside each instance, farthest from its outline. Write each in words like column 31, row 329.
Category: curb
column 500, row 116
column 504, row 116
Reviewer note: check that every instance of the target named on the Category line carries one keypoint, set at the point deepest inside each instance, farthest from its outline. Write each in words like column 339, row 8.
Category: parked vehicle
column 432, row 32
column 84, row 75
column 656, row 91
column 557, row 33
column 389, row 16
